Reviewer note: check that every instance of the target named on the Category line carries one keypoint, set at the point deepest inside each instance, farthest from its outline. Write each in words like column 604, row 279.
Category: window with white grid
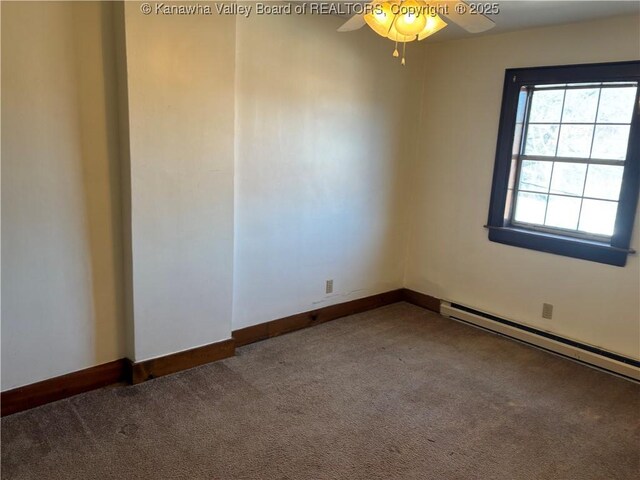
column 570, row 148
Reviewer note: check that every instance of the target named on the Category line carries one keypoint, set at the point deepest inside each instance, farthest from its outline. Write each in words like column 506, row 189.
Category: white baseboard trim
column 573, row 352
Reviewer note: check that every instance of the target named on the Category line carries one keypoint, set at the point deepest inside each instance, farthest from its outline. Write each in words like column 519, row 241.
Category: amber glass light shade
column 401, row 21
column 434, row 24
column 410, row 20
column 380, row 18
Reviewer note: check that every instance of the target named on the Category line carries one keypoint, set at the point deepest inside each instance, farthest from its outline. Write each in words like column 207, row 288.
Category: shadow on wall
column 98, row 122
column 323, row 130
column 61, row 219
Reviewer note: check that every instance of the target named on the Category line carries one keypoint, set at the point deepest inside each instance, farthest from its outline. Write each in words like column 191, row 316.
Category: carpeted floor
column 395, row 393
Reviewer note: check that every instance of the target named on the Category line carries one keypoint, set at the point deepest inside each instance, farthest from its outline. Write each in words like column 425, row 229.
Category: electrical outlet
column 329, row 286
column 547, row 311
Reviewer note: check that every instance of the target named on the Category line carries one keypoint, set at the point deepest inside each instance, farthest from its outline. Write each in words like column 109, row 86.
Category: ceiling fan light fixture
column 381, row 18
column 403, row 21
column 434, row 24
column 410, row 20
column 396, row 36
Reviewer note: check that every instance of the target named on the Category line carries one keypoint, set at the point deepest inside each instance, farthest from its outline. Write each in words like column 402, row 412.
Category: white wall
column 180, row 73
column 322, row 129
column 319, row 139
column 61, row 259
column 449, row 255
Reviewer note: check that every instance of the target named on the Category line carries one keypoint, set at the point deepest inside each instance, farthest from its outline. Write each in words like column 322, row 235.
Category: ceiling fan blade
column 354, row 23
column 471, row 22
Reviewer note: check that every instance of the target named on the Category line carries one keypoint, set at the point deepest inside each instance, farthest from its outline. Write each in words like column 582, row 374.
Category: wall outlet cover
column 329, row 286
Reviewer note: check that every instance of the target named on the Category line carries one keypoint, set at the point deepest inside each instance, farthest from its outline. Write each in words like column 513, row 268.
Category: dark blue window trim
column 500, row 230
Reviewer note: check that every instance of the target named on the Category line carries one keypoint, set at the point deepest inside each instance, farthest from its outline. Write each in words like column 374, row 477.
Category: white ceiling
column 520, row 14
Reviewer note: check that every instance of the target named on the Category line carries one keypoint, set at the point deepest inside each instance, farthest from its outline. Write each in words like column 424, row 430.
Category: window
column 568, row 161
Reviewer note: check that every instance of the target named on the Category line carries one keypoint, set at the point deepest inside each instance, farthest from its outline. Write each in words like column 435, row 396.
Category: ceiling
column 521, row 14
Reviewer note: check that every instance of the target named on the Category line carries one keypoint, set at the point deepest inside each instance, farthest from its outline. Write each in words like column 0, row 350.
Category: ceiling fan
column 404, row 21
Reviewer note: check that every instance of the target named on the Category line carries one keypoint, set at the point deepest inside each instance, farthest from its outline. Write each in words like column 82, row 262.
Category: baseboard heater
column 581, row 352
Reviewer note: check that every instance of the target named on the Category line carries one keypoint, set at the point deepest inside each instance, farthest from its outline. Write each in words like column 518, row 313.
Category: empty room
column 388, row 239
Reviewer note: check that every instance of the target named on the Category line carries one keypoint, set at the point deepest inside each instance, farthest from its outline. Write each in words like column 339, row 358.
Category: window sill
column 560, row 245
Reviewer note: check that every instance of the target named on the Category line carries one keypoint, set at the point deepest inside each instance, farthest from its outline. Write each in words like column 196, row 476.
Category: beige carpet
column 395, row 393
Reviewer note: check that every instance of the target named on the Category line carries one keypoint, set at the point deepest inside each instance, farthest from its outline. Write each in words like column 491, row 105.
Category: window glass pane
column 535, row 176
column 580, row 105
column 508, row 205
column 522, row 104
column 610, row 142
column 568, row 178
column 616, row 105
column 512, row 173
column 541, row 140
column 530, row 207
column 575, row 140
column 598, row 216
column 517, row 138
column 546, row 106
column 563, row 212
column 603, row 181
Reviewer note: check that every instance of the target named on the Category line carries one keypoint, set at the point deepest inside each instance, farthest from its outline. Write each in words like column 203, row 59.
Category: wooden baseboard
column 57, row 388
column 157, row 367
column 421, row 300
column 262, row 331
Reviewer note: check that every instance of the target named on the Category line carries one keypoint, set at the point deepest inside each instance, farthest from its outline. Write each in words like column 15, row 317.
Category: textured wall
column 319, row 160
column 449, row 255
column 61, row 243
